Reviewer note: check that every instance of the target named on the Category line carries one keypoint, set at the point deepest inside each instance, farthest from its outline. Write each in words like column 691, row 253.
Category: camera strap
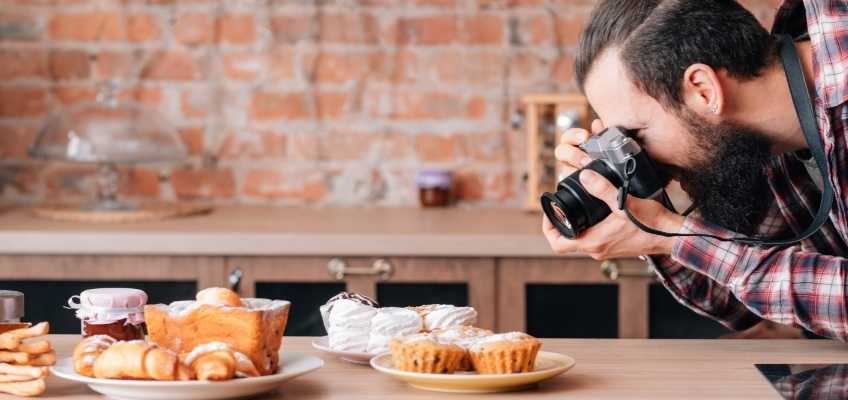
column 806, row 116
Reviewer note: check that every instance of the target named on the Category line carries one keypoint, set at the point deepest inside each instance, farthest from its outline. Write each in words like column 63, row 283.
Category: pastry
column 217, row 361
column 12, row 340
column 442, row 316
column 139, row 360
column 255, row 327
column 425, row 353
column 24, row 360
column 24, row 389
column 350, row 325
column 328, row 306
column 87, row 351
column 504, row 353
column 389, row 322
column 465, row 337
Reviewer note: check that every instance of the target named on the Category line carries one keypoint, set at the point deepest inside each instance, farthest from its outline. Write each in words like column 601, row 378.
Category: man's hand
column 615, row 236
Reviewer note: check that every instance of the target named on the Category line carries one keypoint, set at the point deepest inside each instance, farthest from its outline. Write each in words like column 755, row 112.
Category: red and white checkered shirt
column 805, row 285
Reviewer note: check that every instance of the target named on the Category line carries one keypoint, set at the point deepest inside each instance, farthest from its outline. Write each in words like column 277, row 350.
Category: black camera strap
column 804, row 109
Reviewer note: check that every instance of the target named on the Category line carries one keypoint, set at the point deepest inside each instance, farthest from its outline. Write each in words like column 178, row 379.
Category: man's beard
column 728, row 182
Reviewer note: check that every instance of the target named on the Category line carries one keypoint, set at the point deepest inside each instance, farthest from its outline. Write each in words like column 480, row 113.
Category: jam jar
column 434, row 188
column 11, row 310
column 116, row 312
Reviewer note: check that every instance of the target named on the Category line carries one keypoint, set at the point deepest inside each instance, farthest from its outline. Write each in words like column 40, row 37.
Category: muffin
column 505, row 353
column 462, row 336
column 425, row 353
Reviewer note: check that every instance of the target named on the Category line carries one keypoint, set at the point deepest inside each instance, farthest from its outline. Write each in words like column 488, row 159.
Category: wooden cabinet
column 390, row 280
column 629, row 311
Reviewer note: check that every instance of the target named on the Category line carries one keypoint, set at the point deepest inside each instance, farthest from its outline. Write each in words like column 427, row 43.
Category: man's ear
column 702, row 90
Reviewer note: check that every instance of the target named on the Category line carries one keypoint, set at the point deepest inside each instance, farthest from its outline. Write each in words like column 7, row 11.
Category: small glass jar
column 116, row 312
column 434, row 188
column 11, row 310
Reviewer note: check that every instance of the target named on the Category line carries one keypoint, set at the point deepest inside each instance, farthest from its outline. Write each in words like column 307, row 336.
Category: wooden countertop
column 252, row 230
column 606, row 369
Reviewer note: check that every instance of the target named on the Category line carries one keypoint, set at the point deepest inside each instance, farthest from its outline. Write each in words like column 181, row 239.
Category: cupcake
column 443, row 316
column 505, row 353
column 425, row 353
column 462, row 336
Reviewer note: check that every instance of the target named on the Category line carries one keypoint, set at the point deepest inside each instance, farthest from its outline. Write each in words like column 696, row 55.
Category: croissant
column 87, row 351
column 215, row 366
column 139, row 360
column 12, row 339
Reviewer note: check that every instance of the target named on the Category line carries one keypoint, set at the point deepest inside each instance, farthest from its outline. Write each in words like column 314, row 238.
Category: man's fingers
column 574, row 136
column 597, row 126
column 558, row 243
column 600, row 187
column 572, row 155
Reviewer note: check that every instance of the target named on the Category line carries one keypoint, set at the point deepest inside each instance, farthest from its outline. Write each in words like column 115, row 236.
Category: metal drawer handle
column 610, row 270
column 234, row 279
column 338, row 269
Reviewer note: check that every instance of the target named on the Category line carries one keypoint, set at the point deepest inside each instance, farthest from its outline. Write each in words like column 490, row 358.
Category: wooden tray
column 145, row 212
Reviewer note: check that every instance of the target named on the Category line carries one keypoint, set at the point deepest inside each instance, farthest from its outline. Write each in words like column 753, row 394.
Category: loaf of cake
column 253, row 327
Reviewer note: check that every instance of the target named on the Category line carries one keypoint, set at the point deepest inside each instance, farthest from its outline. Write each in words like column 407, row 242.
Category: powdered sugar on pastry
column 502, row 337
column 203, row 349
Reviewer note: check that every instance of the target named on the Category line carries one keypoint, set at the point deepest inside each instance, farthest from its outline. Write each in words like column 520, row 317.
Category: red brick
column 292, row 28
column 194, row 104
column 18, row 26
column 96, row 26
column 427, row 30
column 563, row 70
column 432, row 147
column 15, row 139
column 484, row 29
column 138, row 182
column 348, row 146
column 305, row 146
column 110, row 64
column 272, row 105
column 69, row 64
column 193, row 140
column 485, row 70
column 417, row 105
column 203, row 183
column 22, row 64
column 22, row 101
column 476, row 108
column 281, row 65
column 193, row 28
column 537, row 30
column 148, row 95
column 177, row 65
column 468, row 186
column 253, row 146
column 331, row 104
column 333, row 67
column 244, row 66
column 237, row 29
column 568, row 28
column 356, row 27
column 273, row 184
column 489, row 147
column 69, row 94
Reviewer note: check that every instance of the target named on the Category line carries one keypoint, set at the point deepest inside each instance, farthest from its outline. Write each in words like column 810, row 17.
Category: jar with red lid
column 116, row 312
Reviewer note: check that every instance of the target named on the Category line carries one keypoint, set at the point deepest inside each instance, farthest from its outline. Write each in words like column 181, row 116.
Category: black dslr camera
column 619, row 159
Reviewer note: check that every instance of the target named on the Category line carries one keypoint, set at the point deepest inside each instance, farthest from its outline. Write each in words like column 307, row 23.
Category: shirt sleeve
column 789, row 285
column 701, row 294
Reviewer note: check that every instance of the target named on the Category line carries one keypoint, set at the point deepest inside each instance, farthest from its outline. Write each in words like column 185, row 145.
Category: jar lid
column 436, row 178
column 11, row 305
column 105, row 305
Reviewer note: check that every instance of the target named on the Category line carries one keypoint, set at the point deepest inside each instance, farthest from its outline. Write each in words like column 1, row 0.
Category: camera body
column 616, row 156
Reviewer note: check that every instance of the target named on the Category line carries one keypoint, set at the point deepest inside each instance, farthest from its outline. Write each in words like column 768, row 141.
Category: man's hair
column 659, row 39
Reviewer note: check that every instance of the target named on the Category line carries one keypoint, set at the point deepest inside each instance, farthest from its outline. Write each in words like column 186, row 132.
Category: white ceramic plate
column 323, row 344
column 548, row 365
column 292, row 366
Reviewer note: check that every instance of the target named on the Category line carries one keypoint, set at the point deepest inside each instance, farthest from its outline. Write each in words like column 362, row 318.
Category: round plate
column 323, row 344
column 292, row 365
column 548, row 365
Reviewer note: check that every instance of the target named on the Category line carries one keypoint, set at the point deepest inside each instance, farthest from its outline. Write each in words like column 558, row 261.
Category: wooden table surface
column 606, row 369
column 278, row 231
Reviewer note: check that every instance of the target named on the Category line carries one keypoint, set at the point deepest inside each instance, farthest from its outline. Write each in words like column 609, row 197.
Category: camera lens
column 572, row 209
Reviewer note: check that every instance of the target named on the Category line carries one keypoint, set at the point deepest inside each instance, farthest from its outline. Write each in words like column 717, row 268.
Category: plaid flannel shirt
column 803, row 285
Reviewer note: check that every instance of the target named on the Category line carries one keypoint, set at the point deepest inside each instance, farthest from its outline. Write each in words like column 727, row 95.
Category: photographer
column 701, row 87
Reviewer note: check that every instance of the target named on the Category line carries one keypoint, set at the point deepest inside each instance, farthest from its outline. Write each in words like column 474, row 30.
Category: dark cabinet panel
column 306, row 297
column 672, row 320
column 413, row 294
column 45, row 300
column 572, row 310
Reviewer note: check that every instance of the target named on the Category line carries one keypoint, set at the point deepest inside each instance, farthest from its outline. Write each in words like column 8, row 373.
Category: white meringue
column 445, row 316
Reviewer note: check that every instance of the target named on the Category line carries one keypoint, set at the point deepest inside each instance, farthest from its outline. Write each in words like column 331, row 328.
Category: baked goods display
column 505, row 353
column 252, row 327
column 138, row 359
column 357, row 323
column 425, row 352
column 24, row 358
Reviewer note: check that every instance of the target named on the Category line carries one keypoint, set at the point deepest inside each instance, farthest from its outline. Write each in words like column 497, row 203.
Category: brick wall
column 292, row 101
